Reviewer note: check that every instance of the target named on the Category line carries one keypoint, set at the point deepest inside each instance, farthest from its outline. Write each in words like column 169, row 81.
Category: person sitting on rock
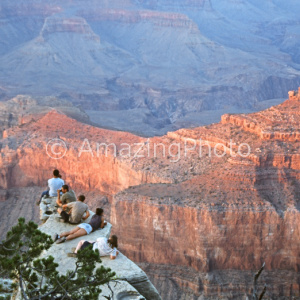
column 96, row 222
column 54, row 184
column 105, row 246
column 76, row 211
column 67, row 196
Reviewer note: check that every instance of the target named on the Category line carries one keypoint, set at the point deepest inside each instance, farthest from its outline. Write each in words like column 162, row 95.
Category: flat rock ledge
column 132, row 282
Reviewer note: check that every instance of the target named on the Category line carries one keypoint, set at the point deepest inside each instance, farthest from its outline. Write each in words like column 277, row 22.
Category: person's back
column 104, row 248
column 55, row 184
column 95, row 222
column 78, row 209
column 68, row 197
column 103, row 245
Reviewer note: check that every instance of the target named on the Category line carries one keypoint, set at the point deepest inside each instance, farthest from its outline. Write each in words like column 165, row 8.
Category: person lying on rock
column 96, row 222
column 105, row 246
column 67, row 196
column 76, row 210
column 54, row 184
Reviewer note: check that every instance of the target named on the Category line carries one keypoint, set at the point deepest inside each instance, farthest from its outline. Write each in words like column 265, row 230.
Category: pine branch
column 38, row 278
column 256, row 276
column 263, row 292
column 22, row 288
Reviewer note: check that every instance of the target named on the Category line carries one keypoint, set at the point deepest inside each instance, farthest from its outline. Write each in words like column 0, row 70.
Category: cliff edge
column 131, row 282
column 232, row 186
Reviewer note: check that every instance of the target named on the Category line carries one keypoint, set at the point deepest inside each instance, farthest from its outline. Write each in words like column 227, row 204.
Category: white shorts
column 87, row 227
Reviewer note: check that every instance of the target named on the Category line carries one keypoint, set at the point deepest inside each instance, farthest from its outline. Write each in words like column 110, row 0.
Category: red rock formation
column 84, row 170
column 240, row 212
column 24, row 109
column 218, row 237
column 294, row 95
column 229, row 202
column 278, row 123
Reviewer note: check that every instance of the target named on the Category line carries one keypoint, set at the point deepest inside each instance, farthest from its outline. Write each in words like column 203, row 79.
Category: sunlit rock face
column 200, row 223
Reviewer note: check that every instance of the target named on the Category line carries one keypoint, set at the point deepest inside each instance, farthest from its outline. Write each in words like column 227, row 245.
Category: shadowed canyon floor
column 200, row 223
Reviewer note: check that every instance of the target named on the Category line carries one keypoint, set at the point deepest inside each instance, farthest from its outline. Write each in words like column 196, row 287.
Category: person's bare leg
column 70, row 232
column 59, row 210
column 78, row 233
column 79, row 245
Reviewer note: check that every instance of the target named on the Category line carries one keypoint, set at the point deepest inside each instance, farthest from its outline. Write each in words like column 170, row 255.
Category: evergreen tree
column 38, row 278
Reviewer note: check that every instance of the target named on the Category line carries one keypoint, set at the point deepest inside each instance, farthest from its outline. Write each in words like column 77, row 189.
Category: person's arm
column 103, row 223
column 65, row 206
column 58, row 198
column 86, row 215
column 115, row 254
column 58, row 202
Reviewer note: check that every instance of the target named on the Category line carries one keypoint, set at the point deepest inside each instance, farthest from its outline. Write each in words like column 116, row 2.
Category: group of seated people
column 72, row 210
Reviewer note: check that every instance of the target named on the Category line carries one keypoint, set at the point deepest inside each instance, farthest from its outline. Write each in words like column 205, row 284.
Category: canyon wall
column 212, row 241
column 107, row 56
column 84, row 166
column 201, row 223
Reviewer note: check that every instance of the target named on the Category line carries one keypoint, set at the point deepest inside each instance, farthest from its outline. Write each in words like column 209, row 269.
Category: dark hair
column 113, row 241
column 56, row 173
column 99, row 211
column 81, row 198
column 65, row 187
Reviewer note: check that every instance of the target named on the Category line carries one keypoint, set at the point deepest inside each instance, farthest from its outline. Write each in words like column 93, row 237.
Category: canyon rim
column 199, row 225
column 179, row 117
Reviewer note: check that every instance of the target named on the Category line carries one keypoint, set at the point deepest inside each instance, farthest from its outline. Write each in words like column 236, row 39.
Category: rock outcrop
column 67, row 25
column 23, row 109
column 200, row 208
column 162, row 19
column 294, row 95
column 276, row 123
column 131, row 282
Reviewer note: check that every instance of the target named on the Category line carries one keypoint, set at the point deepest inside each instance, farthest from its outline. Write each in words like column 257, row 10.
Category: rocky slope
column 165, row 61
column 200, row 209
column 131, row 278
column 24, row 109
column 130, row 281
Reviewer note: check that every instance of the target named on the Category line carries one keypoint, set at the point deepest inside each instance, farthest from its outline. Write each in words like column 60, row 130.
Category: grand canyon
column 167, row 64
column 180, row 118
column 199, row 224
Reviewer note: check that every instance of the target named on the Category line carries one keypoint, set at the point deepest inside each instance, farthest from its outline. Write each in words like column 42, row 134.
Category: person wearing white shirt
column 54, row 184
column 106, row 247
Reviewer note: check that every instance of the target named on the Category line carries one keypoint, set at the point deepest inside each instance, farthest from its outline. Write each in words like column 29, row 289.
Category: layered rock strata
column 199, row 203
column 70, row 25
column 162, row 19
